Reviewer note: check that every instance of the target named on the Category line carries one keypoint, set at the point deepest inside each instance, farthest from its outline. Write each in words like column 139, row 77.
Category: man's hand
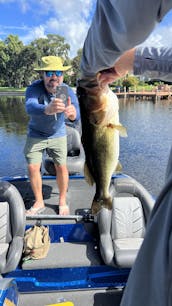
column 55, row 106
column 107, row 76
column 70, row 111
column 122, row 66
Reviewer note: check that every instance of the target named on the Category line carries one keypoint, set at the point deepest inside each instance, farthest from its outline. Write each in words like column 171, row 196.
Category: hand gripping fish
column 100, row 138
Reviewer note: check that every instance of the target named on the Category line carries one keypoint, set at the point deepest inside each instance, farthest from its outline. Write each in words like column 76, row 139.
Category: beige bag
column 36, row 242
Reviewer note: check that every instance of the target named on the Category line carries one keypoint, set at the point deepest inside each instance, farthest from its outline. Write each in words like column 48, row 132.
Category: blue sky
column 30, row 19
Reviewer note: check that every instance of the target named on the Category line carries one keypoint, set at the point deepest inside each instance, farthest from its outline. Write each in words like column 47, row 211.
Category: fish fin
column 96, row 206
column 88, row 175
column 118, row 167
column 122, row 130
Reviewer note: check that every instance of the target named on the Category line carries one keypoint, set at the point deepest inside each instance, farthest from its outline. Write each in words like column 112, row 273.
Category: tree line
column 17, row 61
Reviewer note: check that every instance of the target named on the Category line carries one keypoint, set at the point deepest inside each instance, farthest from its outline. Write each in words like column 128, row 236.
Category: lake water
column 143, row 154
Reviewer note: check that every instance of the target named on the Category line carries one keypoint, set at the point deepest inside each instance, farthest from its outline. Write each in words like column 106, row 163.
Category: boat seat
column 75, row 154
column 121, row 231
column 12, row 220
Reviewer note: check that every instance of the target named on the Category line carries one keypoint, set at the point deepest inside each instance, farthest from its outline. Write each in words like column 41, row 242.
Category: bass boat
column 89, row 257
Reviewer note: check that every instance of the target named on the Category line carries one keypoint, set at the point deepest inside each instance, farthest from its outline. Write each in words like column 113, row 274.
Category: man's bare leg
column 36, row 184
column 62, row 178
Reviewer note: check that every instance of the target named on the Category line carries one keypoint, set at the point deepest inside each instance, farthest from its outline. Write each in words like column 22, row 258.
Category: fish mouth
column 90, row 87
column 90, row 96
column 87, row 82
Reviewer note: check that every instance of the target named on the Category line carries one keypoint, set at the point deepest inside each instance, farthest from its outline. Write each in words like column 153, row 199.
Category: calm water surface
column 143, row 154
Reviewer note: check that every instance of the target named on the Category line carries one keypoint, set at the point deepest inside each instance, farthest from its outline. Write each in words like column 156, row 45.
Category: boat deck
column 79, row 196
column 101, row 297
column 74, row 269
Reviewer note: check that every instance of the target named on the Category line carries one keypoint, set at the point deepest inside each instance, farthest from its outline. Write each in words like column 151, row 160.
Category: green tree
column 13, row 47
column 26, row 63
column 130, row 81
column 76, row 67
column 17, row 62
column 3, row 60
column 52, row 45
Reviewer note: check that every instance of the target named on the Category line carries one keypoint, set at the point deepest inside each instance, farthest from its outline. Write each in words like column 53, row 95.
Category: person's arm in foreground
column 153, row 62
column 118, row 26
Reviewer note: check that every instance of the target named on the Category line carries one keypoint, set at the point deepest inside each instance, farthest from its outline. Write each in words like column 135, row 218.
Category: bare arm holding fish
column 149, row 61
column 118, row 26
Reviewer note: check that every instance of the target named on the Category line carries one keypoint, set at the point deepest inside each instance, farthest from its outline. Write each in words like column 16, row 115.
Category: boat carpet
column 80, row 195
column 66, row 254
column 109, row 297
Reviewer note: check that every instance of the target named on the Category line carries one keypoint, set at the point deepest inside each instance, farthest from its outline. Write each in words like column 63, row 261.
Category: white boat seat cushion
column 128, row 228
column 3, row 252
column 5, row 232
column 127, row 218
column 126, row 250
column 121, row 231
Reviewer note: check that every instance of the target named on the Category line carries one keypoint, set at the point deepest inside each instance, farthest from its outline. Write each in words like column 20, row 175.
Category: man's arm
column 33, row 107
column 155, row 63
column 118, row 26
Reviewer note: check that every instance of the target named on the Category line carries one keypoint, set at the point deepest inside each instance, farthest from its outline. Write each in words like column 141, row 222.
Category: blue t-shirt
column 40, row 124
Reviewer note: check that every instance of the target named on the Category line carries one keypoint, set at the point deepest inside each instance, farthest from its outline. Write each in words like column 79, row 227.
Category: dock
column 137, row 95
column 12, row 93
column 145, row 95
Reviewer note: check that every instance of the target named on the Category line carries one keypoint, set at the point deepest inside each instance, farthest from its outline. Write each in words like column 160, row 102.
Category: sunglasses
column 58, row 73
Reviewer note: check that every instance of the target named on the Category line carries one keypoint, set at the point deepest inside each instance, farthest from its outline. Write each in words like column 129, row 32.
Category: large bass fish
column 100, row 138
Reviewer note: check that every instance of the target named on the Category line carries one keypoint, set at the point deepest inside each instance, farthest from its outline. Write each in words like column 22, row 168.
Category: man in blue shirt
column 47, row 129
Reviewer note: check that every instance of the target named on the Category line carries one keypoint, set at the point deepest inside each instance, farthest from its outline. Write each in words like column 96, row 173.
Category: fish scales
column 100, row 138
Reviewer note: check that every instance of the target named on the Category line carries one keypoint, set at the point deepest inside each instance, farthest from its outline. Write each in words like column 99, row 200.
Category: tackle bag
column 36, row 242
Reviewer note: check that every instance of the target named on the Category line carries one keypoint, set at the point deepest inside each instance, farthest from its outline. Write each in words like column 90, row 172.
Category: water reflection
column 13, row 126
column 13, row 117
column 143, row 154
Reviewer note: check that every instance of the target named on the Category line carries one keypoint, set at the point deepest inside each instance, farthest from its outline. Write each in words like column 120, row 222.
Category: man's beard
column 52, row 84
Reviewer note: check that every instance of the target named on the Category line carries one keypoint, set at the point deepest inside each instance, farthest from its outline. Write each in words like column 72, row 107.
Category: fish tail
column 99, row 204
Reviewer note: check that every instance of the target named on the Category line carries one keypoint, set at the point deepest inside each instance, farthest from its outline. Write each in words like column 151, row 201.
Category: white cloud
column 24, row 5
column 161, row 36
column 69, row 8
column 74, row 32
column 37, row 32
column 69, row 19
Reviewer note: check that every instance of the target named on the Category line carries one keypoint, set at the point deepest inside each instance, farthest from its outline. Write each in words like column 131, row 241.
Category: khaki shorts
column 35, row 147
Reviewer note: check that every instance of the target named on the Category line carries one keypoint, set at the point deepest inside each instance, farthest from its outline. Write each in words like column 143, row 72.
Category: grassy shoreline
column 12, row 89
